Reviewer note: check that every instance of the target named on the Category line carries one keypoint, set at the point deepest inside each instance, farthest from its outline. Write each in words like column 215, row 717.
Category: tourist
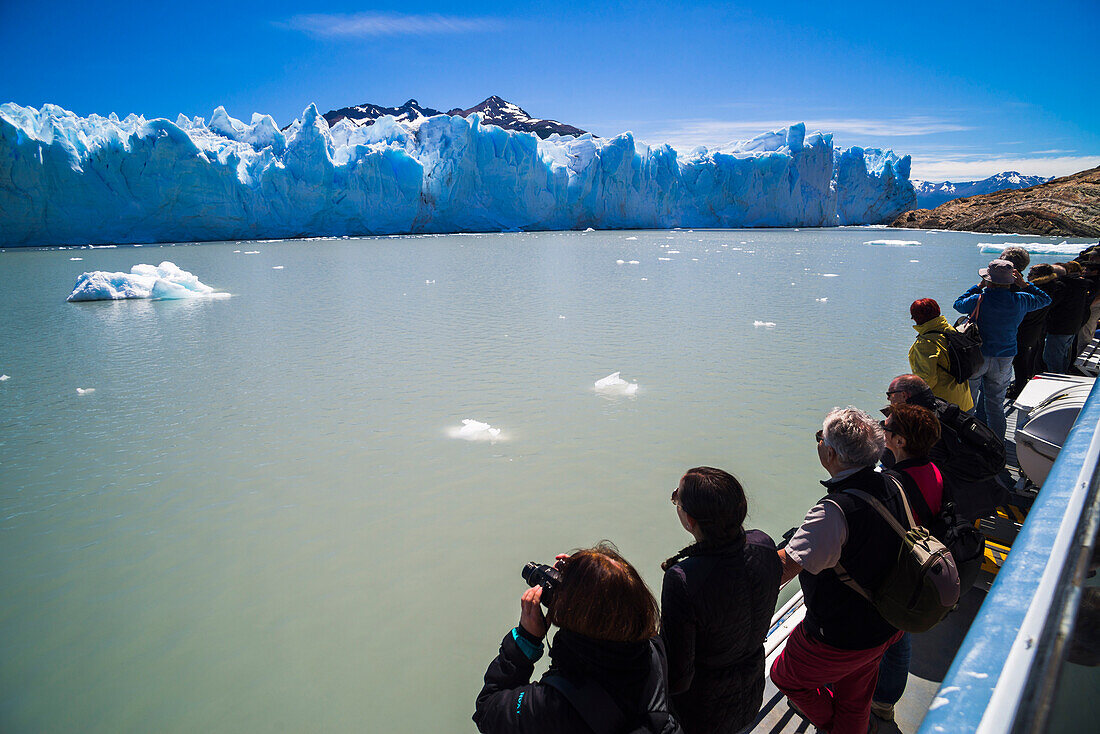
column 716, row 606
column 1018, row 256
column 829, row 666
column 928, row 356
column 1064, row 318
column 1031, row 333
column 605, row 647
column 999, row 313
column 968, row 454
column 911, row 432
column 1090, row 273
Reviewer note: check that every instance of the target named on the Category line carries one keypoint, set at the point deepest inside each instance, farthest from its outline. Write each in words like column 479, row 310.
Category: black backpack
column 964, row 346
column 603, row 715
column 977, row 453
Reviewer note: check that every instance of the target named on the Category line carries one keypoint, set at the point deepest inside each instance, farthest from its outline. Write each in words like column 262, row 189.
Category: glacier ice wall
column 66, row 179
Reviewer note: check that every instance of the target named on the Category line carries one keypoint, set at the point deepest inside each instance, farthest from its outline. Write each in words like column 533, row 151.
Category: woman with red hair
column 928, row 356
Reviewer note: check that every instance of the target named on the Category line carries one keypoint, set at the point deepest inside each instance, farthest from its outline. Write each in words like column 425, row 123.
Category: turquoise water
column 258, row 521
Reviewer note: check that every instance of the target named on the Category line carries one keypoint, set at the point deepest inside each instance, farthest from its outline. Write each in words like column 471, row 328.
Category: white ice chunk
column 830, row 275
column 429, row 282
column 631, row 238
column 764, row 324
column 76, row 258
column 252, row 252
column 893, row 243
column 85, row 390
column 1035, row 248
column 472, row 430
column 821, row 300
column 165, row 281
column 4, row 377
column 277, row 267
column 615, row 385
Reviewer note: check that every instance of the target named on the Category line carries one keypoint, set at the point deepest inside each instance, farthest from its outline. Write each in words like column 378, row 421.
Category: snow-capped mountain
column 366, row 113
column 931, row 194
column 502, row 113
column 494, row 111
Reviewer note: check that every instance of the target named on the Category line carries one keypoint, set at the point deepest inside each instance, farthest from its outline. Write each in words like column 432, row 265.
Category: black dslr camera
column 539, row 574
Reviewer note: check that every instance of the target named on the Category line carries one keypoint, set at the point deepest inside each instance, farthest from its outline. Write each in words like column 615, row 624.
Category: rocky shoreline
column 1063, row 207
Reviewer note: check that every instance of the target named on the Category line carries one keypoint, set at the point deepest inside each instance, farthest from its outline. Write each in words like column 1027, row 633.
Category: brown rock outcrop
column 1064, row 207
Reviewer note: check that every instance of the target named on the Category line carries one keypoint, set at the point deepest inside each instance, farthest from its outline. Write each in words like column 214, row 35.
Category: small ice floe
column 615, row 385
column 665, row 259
column 236, row 251
column 764, row 324
column 4, row 377
column 620, row 262
column 695, row 259
column 628, row 239
column 276, row 267
column 560, row 316
column 165, row 281
column 76, row 258
column 830, row 275
column 821, row 300
column 252, row 252
column 914, row 261
column 673, row 252
column 893, row 243
column 429, row 282
column 645, row 278
column 744, row 242
column 472, row 430
column 85, row 390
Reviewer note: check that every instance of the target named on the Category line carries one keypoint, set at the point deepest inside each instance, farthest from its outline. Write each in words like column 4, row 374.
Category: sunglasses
column 894, row 392
column 887, row 428
column 676, row 497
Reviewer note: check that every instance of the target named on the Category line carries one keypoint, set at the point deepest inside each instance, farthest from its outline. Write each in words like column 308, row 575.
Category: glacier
column 71, row 180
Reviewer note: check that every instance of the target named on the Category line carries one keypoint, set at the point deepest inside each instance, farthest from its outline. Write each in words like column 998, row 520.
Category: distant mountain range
column 494, row 111
column 931, row 194
column 1064, row 207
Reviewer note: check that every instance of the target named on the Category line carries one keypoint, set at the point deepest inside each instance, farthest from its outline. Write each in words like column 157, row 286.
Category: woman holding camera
column 607, row 670
column 717, row 602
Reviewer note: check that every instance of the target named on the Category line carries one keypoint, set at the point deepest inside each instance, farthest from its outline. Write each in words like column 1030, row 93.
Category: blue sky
column 967, row 88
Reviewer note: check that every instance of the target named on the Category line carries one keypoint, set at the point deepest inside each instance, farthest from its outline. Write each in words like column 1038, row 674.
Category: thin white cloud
column 370, row 25
column 690, row 133
column 948, row 168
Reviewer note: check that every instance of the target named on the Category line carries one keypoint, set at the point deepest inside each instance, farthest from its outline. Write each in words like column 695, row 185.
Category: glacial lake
column 259, row 521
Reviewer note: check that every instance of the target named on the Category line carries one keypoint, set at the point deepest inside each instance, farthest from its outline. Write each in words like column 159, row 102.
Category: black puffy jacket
column 510, row 703
column 716, row 607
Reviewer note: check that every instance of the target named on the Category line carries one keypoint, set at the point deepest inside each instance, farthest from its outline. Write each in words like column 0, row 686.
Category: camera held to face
column 539, row 574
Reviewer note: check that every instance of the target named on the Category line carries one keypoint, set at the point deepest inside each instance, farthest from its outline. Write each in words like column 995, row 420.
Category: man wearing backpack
column 829, row 666
column 998, row 317
column 929, row 356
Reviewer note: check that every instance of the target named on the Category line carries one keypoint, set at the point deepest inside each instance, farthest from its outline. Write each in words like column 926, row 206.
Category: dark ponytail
column 716, row 500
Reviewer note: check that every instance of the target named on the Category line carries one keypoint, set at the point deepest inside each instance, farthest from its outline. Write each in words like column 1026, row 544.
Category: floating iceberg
column 472, row 430
column 77, row 180
column 615, row 385
column 764, row 324
column 1035, row 248
column 893, row 243
column 4, row 377
column 85, row 390
column 164, row 281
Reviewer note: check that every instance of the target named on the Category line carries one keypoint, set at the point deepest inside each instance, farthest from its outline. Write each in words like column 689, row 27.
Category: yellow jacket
column 929, row 360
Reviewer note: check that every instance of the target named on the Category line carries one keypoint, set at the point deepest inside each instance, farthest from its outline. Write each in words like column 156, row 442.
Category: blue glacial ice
column 165, row 281
column 66, row 179
column 1035, row 248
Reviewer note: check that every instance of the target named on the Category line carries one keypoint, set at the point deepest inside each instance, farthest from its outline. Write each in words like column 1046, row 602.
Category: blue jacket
column 1000, row 315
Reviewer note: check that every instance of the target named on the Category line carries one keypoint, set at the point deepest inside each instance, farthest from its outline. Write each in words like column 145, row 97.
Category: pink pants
column 806, row 666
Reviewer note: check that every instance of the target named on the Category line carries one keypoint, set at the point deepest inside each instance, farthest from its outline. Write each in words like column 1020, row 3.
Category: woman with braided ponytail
column 717, row 601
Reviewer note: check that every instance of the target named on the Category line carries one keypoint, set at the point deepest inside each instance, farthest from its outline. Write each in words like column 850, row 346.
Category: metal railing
column 1004, row 676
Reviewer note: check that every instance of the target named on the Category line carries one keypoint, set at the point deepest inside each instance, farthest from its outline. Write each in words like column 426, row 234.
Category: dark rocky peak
column 502, row 113
column 367, row 113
